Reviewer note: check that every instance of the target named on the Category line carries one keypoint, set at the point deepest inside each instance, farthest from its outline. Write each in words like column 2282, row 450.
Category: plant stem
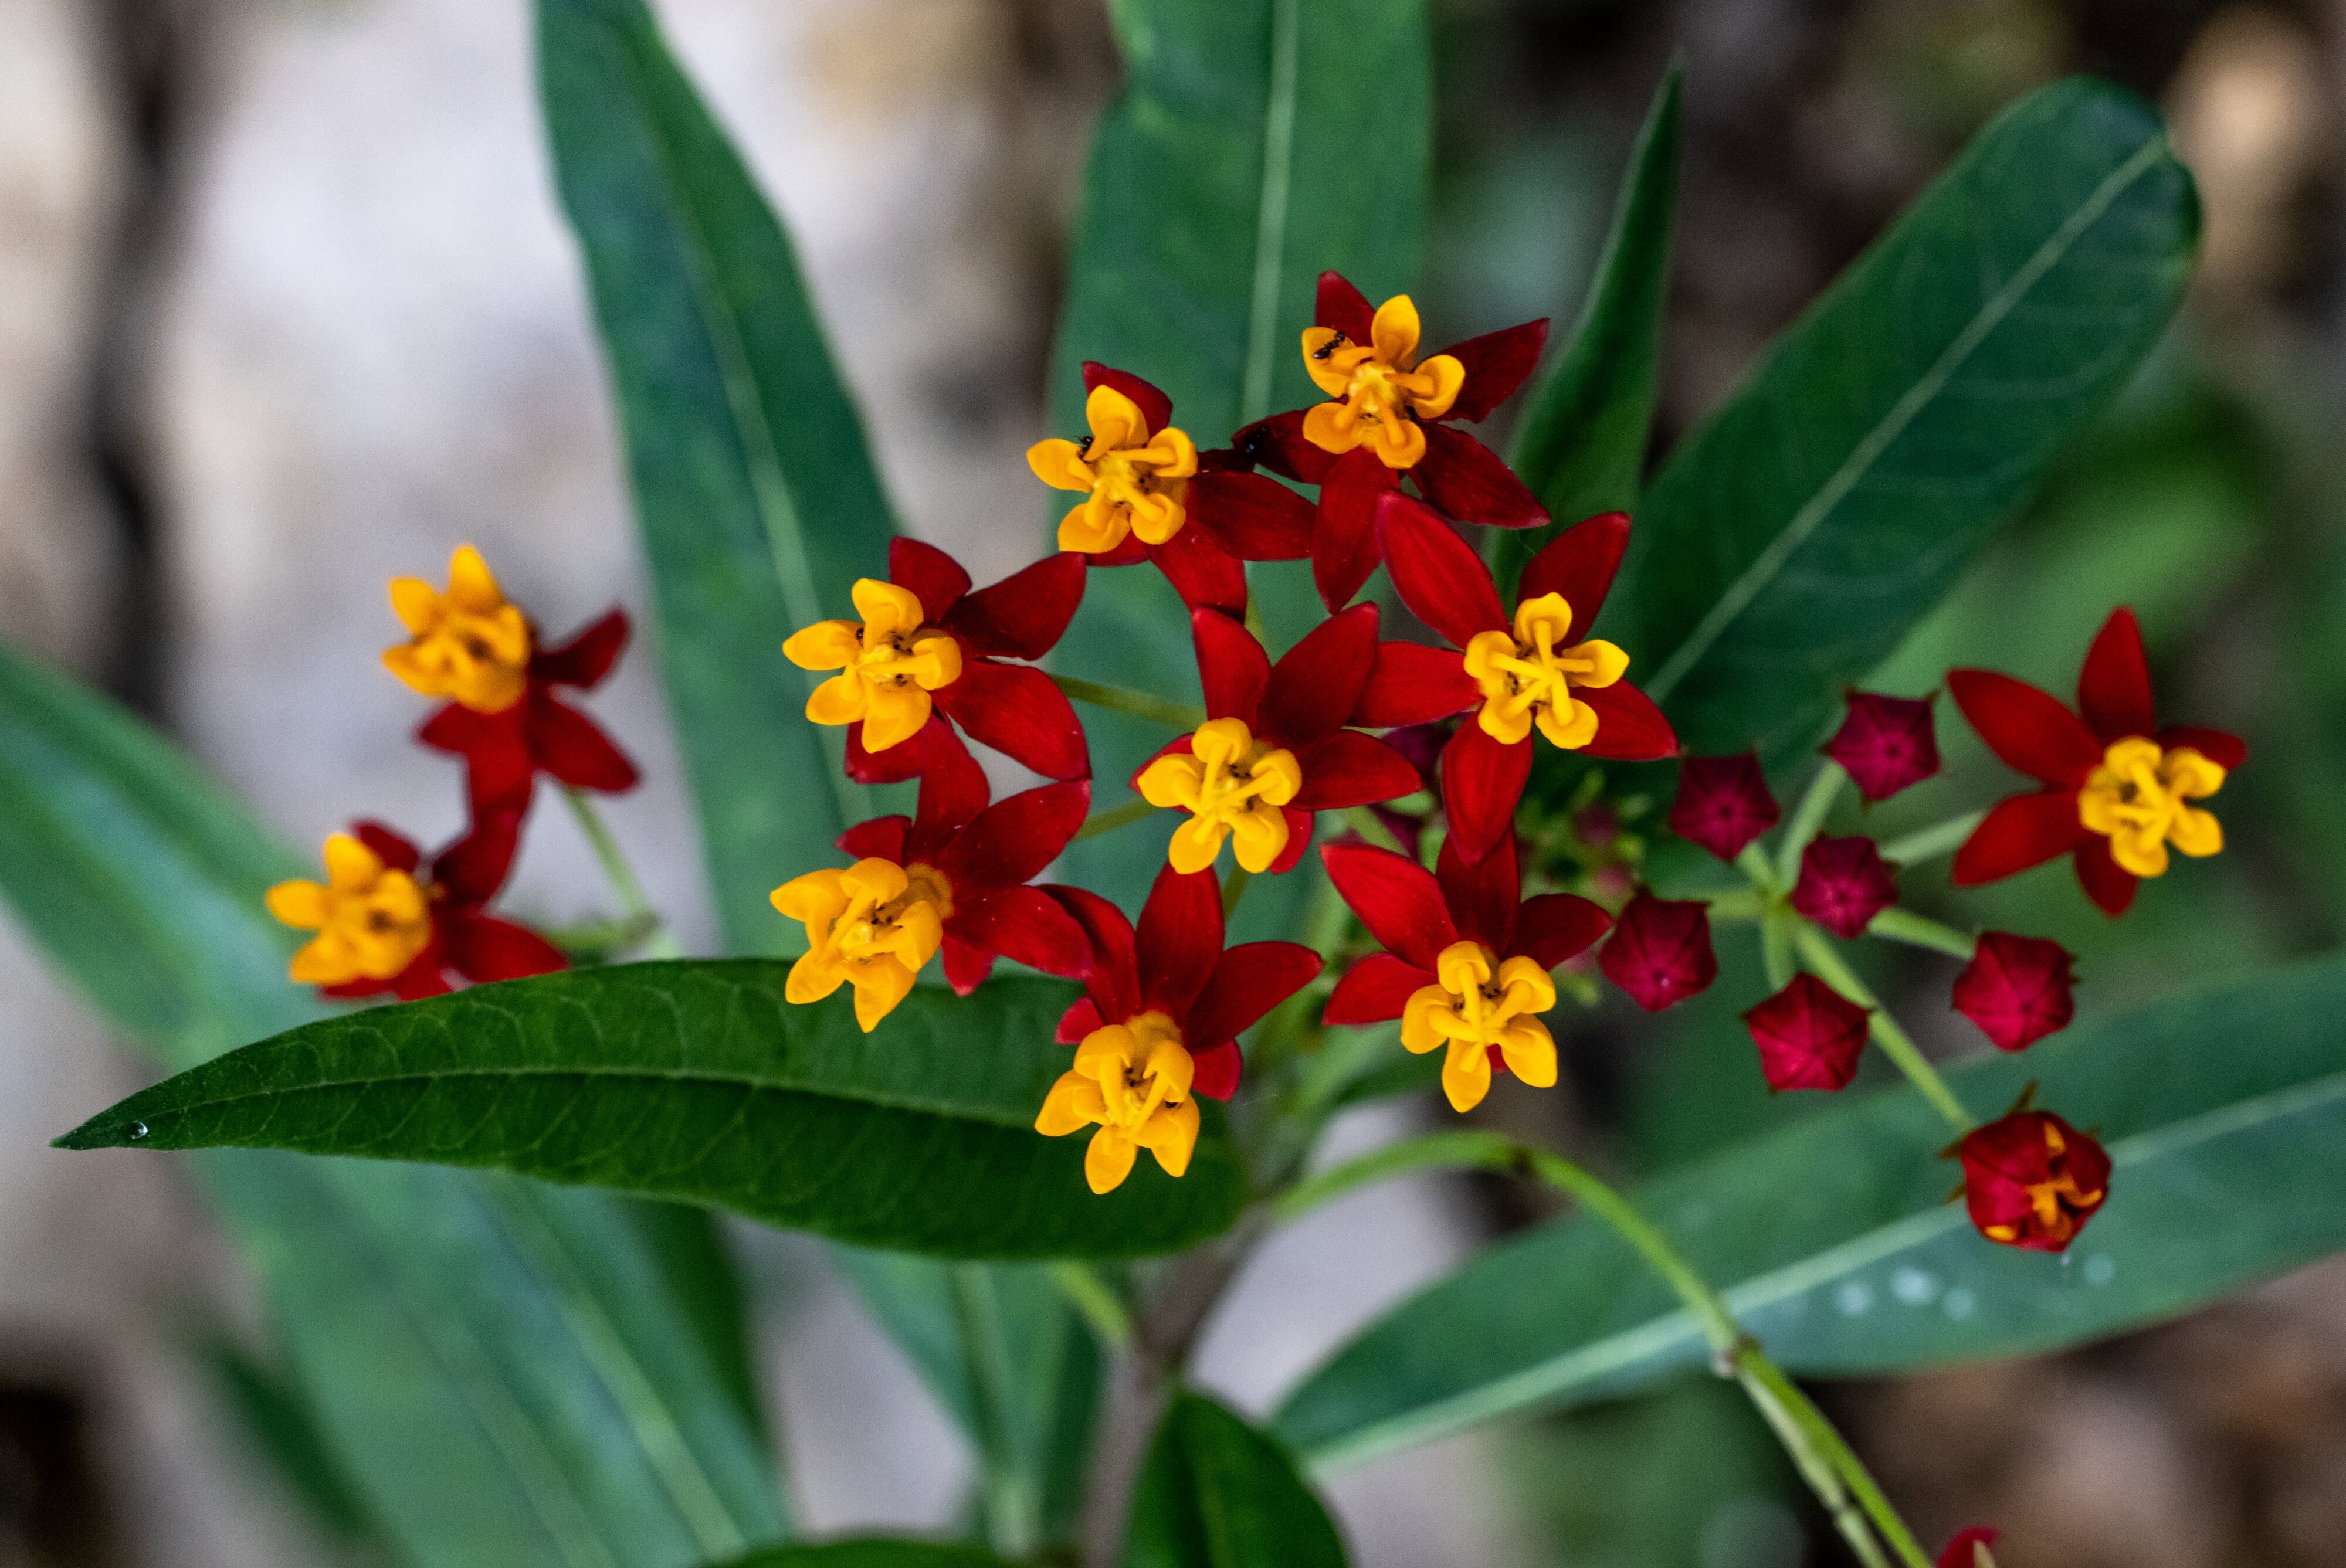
column 1114, row 817
column 1234, row 887
column 1823, row 1438
column 1006, row 1491
column 1830, row 968
column 1920, row 930
column 1815, row 1468
column 1094, row 1301
column 1754, row 864
column 1736, row 904
column 1139, row 704
column 1776, row 946
column 1807, row 818
column 1939, row 838
column 639, row 911
column 1365, row 821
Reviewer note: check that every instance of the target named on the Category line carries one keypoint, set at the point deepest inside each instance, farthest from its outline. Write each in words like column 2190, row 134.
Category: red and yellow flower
column 473, row 647
column 1159, row 1023
column 385, row 925
column 951, row 878
column 2119, row 787
column 1535, row 670
column 1466, row 960
column 1273, row 749
column 926, row 645
column 2032, row 1181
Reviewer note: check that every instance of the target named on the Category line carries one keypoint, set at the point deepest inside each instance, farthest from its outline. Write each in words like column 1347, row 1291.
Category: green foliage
column 1217, row 1493
column 697, row 1080
column 502, row 1371
column 1581, row 443
column 1795, row 538
column 1834, row 1241
column 871, row 1554
column 758, row 504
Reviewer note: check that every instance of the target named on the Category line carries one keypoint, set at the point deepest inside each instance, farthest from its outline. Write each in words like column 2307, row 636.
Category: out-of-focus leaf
column 500, row 1370
column 1255, row 143
column 871, row 1554
column 1581, row 444
column 1796, row 538
column 697, row 1080
column 758, row 504
column 1834, row 1241
column 1217, row 1493
column 276, row 1419
column 689, row 1249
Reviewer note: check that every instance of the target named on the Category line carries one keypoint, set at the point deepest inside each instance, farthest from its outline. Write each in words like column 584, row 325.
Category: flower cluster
column 386, row 922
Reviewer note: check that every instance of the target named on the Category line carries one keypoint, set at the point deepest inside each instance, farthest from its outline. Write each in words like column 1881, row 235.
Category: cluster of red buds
column 385, row 921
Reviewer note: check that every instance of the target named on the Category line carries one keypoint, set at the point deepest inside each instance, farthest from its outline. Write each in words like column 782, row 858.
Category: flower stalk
column 658, row 942
column 1124, row 699
column 1829, row 966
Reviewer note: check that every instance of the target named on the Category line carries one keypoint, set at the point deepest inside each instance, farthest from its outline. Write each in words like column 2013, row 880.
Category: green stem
column 1830, row 968
column 1939, row 838
column 1920, row 930
column 1823, row 1438
column 1815, row 1468
column 1371, row 827
column 1737, row 904
column 1095, row 1302
column 1140, row 703
column 639, row 911
column 1114, row 817
column 1753, row 863
column 1006, row 1491
column 1807, row 818
column 1234, row 887
column 1776, row 946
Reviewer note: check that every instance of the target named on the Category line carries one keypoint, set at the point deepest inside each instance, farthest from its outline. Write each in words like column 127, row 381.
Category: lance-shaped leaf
column 1795, row 538
column 756, row 501
column 696, row 1081
column 1581, row 443
column 871, row 1552
column 1217, row 1493
column 1834, row 1241
column 506, row 1374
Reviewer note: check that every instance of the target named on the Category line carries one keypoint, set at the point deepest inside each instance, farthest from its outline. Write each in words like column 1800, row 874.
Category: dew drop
column 137, row 1131
column 1960, row 1303
column 1854, row 1297
column 2101, row 1268
column 1914, row 1286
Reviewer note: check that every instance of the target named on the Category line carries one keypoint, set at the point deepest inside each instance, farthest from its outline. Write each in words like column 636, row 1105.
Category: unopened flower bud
column 1886, row 743
column 1722, row 803
column 1809, row 1036
column 1844, row 883
column 2031, row 1180
column 2016, row 988
column 1659, row 952
column 1970, row 1549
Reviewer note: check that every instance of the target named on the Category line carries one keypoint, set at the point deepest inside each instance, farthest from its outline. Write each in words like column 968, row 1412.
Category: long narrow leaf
column 1217, row 1493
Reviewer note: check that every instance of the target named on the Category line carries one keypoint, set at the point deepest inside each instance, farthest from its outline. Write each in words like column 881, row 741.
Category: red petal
column 500, row 770
column 1316, row 684
column 1214, row 1073
column 1960, row 1553
column 2024, row 727
column 396, row 851
column 1021, row 714
column 1248, row 982
column 1154, row 405
column 911, row 759
column 1078, row 1022
column 1482, row 783
column 1231, row 667
column 1013, row 839
column 1201, row 571
column 1843, row 884
column 1413, row 684
column 1722, row 802
column 1629, row 728
column 480, row 947
column 2020, row 831
column 422, row 978
column 588, row 656
column 1660, row 952
column 1113, row 981
column 1179, row 939
column 1301, row 826
column 2114, row 686
column 1376, row 988
column 1553, row 927
column 474, row 866
column 2226, row 751
column 966, row 966
column 936, row 578
column 566, row 744
column 1579, row 564
column 1130, row 553
column 1398, row 900
column 954, row 791
column 1256, row 517
column 1466, row 479
column 1343, row 307
column 1496, row 364
column 1349, row 769
column 881, row 838
column 2107, row 883
column 1437, row 574
column 1345, row 538
column 1024, row 615
column 1809, row 1036
column 2017, row 989
column 1482, row 894
column 1886, row 743
column 1026, row 925
column 1278, row 445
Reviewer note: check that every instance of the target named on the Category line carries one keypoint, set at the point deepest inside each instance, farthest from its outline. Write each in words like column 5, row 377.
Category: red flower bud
column 1886, row 743
column 1844, row 883
column 1659, row 952
column 1969, row 1549
column 1809, row 1036
column 2016, row 988
column 2032, row 1180
column 1722, row 803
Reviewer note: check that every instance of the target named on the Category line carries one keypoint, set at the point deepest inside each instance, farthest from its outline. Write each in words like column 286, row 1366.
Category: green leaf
column 1217, row 1493
column 689, row 1249
column 1796, row 538
column 1834, row 1241
column 1581, row 444
column 871, row 1554
column 501, row 1370
column 699, row 1081
column 1255, row 144
column 756, row 496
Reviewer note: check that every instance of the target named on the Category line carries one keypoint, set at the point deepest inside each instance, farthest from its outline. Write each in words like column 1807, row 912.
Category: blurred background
column 286, row 309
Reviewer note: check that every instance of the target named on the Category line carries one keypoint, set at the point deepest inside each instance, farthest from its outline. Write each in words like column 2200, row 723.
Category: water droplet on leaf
column 137, row 1131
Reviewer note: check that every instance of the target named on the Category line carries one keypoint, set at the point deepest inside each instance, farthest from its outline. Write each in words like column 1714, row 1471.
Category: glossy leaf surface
column 1834, row 1243
column 1217, row 1493
column 1795, row 537
column 696, row 1081
column 756, row 498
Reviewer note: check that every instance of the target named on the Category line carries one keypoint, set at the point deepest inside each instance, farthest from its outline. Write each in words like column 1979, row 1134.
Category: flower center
column 1135, row 478
column 1380, row 391
column 467, row 644
column 1230, row 783
column 888, row 664
column 871, row 926
column 372, row 921
column 2057, row 1204
column 1527, row 680
column 2139, row 799
column 1477, row 1004
column 1141, row 1067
